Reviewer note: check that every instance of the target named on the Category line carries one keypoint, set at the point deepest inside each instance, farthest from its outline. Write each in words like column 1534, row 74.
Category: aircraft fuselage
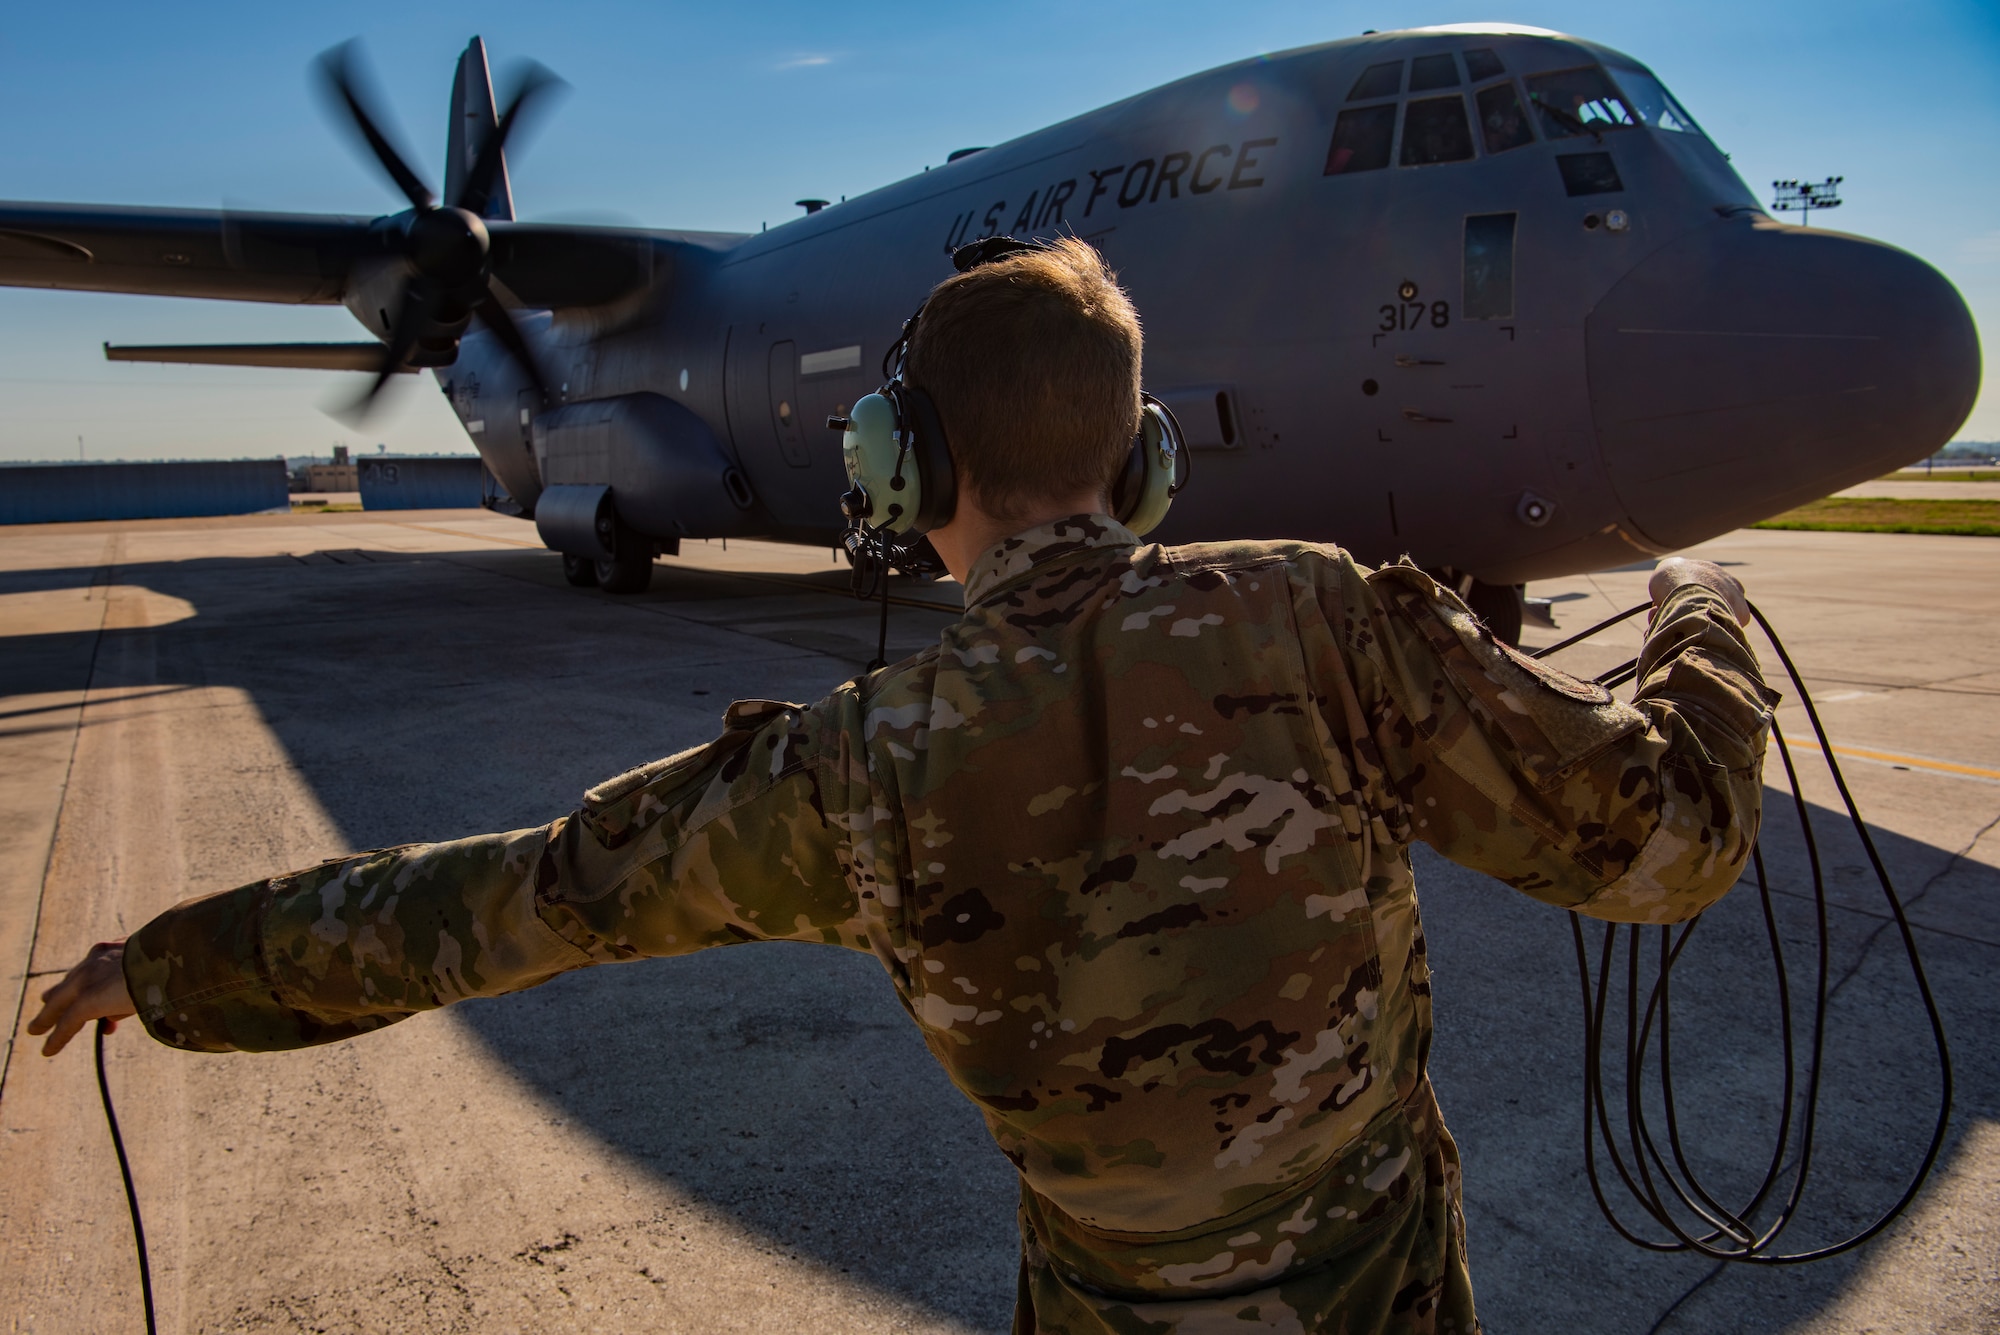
column 1516, row 348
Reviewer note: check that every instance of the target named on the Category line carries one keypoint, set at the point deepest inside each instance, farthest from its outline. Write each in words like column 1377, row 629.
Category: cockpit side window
column 1502, row 122
column 1429, row 72
column 1385, row 80
column 1434, row 130
column 1654, row 104
column 1361, row 139
column 1578, row 102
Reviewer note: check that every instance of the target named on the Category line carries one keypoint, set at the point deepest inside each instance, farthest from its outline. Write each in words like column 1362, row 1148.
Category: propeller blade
column 402, row 338
column 342, row 78
column 536, row 80
column 497, row 318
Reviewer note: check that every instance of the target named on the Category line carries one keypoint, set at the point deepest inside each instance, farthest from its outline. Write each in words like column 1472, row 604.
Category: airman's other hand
column 1678, row 571
column 93, row 990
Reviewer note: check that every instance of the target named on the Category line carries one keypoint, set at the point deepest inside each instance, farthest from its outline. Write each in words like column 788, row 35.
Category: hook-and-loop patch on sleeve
column 1554, row 723
column 619, row 808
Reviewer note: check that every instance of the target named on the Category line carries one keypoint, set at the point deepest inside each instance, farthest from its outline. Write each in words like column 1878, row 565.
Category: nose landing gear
column 1499, row 606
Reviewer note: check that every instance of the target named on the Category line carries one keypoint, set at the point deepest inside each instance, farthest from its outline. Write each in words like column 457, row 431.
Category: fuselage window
column 1434, row 130
column 1378, row 81
column 1428, row 72
column 1575, row 102
column 1489, row 266
column 1654, row 104
column 1481, row 63
column 1502, row 122
column 1361, row 140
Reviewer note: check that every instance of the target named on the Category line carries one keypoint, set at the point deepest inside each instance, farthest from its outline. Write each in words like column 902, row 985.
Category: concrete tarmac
column 755, row 1139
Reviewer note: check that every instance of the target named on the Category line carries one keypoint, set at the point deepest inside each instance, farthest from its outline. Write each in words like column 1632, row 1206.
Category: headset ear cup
column 1130, row 485
column 869, row 451
column 1147, row 484
column 931, row 453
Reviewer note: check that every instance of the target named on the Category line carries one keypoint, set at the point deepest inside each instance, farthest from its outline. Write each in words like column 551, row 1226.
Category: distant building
column 340, row 475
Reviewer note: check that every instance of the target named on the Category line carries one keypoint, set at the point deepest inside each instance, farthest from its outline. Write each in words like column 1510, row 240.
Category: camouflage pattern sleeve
column 361, row 942
column 1641, row 812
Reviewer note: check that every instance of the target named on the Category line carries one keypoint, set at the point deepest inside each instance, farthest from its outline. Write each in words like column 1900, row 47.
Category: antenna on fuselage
column 1805, row 196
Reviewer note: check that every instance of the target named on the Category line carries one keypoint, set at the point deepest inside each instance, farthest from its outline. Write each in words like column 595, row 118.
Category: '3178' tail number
column 1406, row 312
column 1403, row 315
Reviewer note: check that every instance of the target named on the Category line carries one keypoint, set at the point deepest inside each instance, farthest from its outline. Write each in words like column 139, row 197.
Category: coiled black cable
column 125, row 1171
column 1729, row 1235
column 1722, row 1233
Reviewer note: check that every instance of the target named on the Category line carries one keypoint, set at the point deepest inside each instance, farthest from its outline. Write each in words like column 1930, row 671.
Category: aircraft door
column 784, row 403
column 1455, row 384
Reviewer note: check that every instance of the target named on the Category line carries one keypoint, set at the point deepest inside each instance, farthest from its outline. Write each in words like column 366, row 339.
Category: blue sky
column 719, row 116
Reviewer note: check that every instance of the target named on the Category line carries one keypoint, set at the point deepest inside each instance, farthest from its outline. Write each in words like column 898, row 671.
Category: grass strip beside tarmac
column 1977, row 518
column 1944, row 475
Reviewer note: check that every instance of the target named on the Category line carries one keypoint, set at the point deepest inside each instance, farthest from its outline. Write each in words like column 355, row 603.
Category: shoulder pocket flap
column 619, row 809
column 1555, row 722
column 755, row 713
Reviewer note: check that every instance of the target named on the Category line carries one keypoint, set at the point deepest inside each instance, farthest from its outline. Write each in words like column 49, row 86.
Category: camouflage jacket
column 1131, row 843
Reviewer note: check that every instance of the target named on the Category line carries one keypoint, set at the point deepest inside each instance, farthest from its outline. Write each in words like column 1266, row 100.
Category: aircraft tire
column 1499, row 606
column 630, row 570
column 579, row 571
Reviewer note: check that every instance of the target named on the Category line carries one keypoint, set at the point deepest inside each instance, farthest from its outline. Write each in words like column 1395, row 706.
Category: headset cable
column 1725, row 1234
column 125, row 1172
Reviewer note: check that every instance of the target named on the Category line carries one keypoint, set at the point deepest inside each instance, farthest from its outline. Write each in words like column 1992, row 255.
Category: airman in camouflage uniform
column 1132, row 844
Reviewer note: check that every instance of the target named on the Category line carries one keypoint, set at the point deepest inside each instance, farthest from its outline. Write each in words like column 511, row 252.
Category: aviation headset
column 901, row 479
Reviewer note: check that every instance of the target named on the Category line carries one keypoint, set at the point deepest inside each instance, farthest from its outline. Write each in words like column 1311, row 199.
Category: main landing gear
column 628, row 569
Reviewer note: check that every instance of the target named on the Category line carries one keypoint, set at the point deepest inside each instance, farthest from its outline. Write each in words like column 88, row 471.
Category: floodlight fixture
column 1805, row 196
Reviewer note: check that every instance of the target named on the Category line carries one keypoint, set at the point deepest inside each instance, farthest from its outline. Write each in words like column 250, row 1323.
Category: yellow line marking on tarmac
column 1894, row 760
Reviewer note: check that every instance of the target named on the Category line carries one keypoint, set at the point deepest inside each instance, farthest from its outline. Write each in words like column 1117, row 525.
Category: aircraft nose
column 1753, row 366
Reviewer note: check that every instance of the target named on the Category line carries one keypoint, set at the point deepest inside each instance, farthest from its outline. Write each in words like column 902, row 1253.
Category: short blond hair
column 1033, row 361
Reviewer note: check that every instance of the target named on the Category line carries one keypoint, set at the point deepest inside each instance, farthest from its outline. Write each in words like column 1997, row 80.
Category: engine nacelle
column 669, row 478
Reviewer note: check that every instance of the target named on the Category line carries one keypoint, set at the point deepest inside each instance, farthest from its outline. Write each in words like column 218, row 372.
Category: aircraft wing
column 291, row 356
column 303, row 258
column 283, row 257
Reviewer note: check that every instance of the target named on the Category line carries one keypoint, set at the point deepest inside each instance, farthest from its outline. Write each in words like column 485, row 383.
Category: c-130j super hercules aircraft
column 1483, row 294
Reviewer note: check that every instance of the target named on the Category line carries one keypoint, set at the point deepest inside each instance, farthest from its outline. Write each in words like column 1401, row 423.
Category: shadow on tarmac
column 432, row 697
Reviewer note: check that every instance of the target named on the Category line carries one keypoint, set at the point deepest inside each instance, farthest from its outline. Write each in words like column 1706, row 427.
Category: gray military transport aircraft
column 1484, row 294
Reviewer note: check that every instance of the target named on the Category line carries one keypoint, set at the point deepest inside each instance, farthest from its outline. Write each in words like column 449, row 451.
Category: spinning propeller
column 447, row 247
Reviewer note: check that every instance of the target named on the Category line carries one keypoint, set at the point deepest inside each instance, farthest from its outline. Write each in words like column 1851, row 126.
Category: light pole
column 1805, row 196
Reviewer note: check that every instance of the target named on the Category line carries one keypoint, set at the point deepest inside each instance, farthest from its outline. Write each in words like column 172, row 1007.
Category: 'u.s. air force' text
column 1146, row 181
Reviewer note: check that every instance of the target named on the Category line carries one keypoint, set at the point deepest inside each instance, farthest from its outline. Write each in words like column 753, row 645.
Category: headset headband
column 899, row 464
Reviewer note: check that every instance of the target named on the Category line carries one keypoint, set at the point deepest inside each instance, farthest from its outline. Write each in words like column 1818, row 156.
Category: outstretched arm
column 725, row 843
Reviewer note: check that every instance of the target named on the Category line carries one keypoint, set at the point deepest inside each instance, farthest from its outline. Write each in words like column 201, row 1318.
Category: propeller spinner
column 447, row 247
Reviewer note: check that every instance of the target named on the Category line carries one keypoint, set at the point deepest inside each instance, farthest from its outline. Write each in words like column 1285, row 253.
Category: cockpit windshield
column 1653, row 103
column 1577, row 102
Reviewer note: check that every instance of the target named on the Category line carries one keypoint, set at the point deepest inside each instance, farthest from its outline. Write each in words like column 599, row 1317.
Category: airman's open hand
column 93, row 990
